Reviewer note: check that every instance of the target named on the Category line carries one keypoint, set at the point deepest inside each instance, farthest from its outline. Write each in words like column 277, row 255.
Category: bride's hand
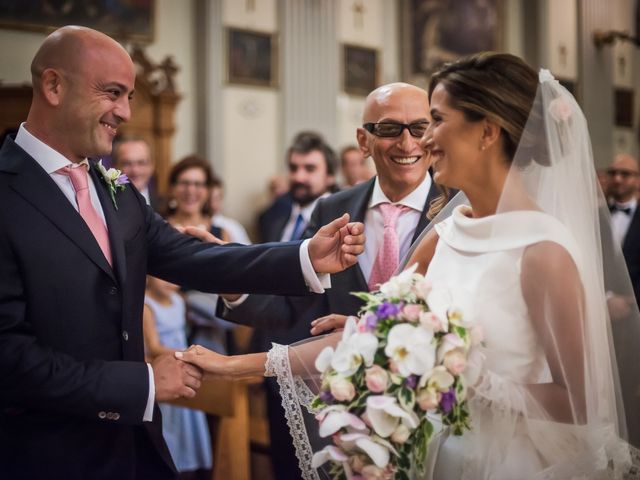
column 333, row 322
column 209, row 361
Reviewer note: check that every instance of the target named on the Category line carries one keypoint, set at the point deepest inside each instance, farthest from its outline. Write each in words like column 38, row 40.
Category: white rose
column 455, row 361
column 400, row 434
column 342, row 389
column 428, row 399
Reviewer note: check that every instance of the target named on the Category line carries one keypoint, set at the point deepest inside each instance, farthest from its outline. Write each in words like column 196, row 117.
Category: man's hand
column 175, row 379
column 336, row 245
column 328, row 323
column 202, row 234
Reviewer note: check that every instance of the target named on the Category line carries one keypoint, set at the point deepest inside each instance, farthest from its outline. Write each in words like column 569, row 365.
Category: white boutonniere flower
column 115, row 180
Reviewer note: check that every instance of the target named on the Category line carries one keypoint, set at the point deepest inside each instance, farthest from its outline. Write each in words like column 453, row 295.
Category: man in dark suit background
column 311, row 163
column 624, row 183
column 394, row 118
column 77, row 400
column 132, row 155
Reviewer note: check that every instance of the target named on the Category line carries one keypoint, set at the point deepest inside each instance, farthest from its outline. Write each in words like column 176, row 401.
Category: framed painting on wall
column 440, row 31
column 251, row 58
column 122, row 19
column 360, row 70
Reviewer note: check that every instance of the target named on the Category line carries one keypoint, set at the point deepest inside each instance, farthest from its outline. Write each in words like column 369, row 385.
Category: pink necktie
column 387, row 258
column 78, row 176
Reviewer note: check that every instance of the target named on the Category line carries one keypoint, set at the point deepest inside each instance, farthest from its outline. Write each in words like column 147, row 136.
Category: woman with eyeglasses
column 190, row 184
column 522, row 252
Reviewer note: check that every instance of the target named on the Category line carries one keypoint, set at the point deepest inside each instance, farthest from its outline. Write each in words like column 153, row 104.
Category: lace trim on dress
column 278, row 366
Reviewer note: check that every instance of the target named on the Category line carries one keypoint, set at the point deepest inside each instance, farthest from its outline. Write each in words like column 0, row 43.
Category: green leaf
column 407, row 398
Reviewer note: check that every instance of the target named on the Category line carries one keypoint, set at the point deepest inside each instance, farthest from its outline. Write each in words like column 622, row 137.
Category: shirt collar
column 48, row 158
column 632, row 204
column 414, row 200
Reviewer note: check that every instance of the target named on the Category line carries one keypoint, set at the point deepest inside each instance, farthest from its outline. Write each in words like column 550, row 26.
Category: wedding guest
column 190, row 183
column 77, row 399
column 132, row 155
column 311, row 164
column 185, row 430
column 353, row 166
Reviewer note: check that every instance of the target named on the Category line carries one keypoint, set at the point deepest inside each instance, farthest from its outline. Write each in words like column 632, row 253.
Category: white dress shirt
column 306, row 212
column 51, row 161
column 620, row 221
column 406, row 226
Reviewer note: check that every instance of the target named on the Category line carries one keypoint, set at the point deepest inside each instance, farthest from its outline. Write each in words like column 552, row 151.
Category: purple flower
column 387, row 310
column 370, row 321
column 411, row 381
column 448, row 400
column 122, row 180
column 326, row 396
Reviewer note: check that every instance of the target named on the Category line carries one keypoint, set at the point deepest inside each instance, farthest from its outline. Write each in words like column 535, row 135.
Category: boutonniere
column 115, row 180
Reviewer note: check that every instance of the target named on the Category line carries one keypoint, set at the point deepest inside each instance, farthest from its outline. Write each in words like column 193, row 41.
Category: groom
column 77, row 400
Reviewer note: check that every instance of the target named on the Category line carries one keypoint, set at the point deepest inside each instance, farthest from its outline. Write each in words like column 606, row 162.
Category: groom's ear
column 50, row 86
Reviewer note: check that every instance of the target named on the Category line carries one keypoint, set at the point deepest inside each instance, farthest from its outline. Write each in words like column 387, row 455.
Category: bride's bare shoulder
column 423, row 254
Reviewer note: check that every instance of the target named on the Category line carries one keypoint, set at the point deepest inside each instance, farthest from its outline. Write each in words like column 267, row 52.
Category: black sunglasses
column 389, row 129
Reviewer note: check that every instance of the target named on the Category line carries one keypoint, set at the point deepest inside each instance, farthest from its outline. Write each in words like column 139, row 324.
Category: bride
column 525, row 252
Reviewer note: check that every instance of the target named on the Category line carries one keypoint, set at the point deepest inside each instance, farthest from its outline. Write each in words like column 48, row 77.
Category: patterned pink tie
column 78, row 176
column 387, row 258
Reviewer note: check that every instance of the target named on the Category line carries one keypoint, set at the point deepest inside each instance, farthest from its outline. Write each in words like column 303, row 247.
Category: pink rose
column 431, row 321
column 357, row 463
column 342, row 389
column 376, row 379
column 428, row 399
column 455, row 361
column 412, row 312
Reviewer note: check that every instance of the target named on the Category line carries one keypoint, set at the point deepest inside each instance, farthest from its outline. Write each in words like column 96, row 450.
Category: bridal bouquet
column 403, row 357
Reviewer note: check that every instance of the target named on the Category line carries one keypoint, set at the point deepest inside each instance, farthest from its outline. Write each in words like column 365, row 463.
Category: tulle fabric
column 577, row 419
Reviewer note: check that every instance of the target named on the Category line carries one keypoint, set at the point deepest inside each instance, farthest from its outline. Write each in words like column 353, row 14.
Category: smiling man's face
column 400, row 162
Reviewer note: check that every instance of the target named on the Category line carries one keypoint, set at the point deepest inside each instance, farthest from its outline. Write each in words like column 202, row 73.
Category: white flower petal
column 381, row 422
column 323, row 360
column 329, row 452
column 367, row 345
column 336, row 420
column 378, row 453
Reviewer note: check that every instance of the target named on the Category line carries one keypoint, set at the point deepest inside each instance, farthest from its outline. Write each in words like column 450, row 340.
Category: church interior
column 234, row 81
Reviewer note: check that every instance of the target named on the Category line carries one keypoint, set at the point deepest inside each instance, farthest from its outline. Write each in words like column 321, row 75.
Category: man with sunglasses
column 393, row 207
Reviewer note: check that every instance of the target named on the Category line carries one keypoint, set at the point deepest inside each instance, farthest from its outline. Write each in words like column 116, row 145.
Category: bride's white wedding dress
column 479, row 261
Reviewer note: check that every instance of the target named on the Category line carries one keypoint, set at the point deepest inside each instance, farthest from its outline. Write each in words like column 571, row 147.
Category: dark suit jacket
column 73, row 382
column 293, row 314
column 273, row 220
column 631, row 252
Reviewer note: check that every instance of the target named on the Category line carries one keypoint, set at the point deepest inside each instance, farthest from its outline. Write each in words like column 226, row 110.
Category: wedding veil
column 584, row 408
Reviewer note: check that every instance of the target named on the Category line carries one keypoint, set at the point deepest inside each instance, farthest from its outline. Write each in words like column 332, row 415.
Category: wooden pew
column 229, row 401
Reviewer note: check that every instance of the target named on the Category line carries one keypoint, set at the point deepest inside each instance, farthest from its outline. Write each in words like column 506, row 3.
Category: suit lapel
column 35, row 185
column 113, row 225
column 357, row 209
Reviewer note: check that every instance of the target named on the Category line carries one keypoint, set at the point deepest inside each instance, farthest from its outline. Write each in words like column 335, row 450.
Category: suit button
column 116, row 416
column 125, row 335
column 102, row 415
column 109, row 416
column 113, row 291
